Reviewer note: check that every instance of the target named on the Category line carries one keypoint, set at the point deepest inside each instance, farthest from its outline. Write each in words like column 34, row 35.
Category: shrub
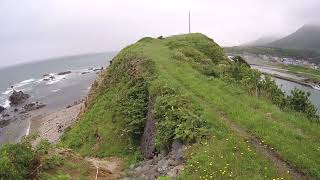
column 17, row 160
column 131, row 108
column 264, row 86
column 52, row 162
column 299, row 101
column 177, row 117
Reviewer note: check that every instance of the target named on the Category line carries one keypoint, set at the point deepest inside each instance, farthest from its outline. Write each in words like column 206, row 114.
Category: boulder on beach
column 64, row 73
column 2, row 109
column 33, row 106
column 17, row 97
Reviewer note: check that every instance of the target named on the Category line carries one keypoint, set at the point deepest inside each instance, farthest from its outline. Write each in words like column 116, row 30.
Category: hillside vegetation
column 196, row 93
column 234, row 123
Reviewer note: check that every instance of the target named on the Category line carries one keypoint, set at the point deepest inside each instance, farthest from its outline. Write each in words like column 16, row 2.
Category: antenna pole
column 189, row 22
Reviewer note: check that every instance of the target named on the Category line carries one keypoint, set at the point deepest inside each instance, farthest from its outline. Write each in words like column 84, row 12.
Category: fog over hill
column 262, row 41
column 307, row 37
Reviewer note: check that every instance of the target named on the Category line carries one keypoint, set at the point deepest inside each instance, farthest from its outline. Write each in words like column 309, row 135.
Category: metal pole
column 189, row 22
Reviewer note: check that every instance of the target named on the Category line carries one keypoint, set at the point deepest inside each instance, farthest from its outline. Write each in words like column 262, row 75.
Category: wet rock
column 48, row 78
column 2, row 109
column 86, row 72
column 18, row 97
column 64, row 73
column 98, row 69
column 33, row 106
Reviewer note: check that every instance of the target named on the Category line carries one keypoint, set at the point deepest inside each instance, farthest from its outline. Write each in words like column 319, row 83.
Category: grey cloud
column 38, row 29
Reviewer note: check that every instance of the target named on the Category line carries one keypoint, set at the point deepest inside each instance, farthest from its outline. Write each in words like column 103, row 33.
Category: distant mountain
column 262, row 41
column 307, row 37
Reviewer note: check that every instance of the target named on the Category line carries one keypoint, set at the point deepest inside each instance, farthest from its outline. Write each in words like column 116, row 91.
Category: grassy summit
column 224, row 110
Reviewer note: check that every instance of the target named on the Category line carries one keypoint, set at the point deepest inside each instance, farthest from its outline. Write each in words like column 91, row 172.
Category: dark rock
column 98, row 69
column 6, row 115
column 64, row 73
column 49, row 77
column 2, row 109
column 33, row 106
column 15, row 110
column 18, row 97
column 4, row 122
column 147, row 141
column 85, row 72
column 177, row 150
column 60, row 128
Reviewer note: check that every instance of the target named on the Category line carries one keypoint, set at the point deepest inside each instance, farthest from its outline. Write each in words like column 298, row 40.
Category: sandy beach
column 52, row 126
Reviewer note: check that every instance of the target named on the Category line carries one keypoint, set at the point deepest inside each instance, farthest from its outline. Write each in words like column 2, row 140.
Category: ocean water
column 29, row 77
column 56, row 93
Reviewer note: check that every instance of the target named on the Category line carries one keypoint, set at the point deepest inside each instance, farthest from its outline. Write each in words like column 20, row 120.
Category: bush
column 264, row 86
column 131, row 108
column 177, row 117
column 52, row 162
column 299, row 101
column 17, row 160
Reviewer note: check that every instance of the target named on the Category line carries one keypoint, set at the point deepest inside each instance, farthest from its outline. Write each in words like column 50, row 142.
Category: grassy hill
column 183, row 77
column 307, row 37
column 234, row 124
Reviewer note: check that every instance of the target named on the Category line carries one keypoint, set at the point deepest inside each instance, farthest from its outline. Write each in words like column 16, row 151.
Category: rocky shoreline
column 52, row 126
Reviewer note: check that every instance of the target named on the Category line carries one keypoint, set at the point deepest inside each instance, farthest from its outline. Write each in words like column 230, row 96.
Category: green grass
column 291, row 134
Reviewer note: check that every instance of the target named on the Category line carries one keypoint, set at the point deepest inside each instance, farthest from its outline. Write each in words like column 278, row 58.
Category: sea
column 41, row 80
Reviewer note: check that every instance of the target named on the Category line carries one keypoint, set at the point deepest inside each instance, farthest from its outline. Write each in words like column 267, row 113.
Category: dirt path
column 109, row 168
column 283, row 166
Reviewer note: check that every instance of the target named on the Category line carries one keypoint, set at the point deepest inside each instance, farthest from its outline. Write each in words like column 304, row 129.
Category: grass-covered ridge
column 193, row 88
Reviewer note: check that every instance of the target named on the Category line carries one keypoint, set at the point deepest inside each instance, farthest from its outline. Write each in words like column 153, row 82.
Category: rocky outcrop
column 2, row 109
column 161, row 165
column 18, row 97
column 147, row 141
column 48, row 77
column 64, row 73
column 33, row 106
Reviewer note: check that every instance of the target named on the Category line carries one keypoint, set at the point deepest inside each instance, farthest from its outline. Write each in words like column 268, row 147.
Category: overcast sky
column 38, row 29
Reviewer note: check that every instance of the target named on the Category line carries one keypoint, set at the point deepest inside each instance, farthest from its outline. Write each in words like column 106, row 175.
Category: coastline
column 52, row 126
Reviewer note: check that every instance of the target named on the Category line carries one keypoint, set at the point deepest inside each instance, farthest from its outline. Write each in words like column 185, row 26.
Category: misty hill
column 262, row 41
column 307, row 37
